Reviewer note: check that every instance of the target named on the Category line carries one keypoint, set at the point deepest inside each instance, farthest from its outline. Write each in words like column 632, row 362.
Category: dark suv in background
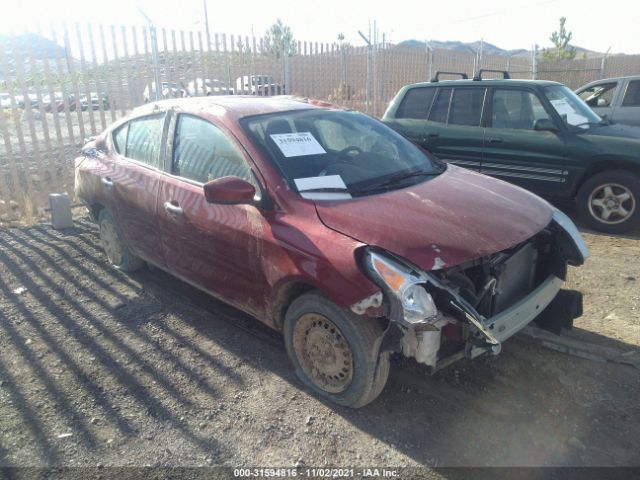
column 536, row 134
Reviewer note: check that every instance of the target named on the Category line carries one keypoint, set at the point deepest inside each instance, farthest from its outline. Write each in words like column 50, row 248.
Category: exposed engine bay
column 470, row 309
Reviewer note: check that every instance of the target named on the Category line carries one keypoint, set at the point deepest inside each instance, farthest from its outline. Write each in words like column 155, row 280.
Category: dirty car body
column 325, row 224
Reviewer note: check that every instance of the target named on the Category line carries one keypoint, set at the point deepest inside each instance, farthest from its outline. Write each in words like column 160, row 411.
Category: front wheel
column 114, row 246
column 335, row 352
column 608, row 201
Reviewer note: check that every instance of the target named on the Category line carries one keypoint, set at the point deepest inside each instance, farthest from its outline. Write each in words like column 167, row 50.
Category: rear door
column 133, row 184
column 517, row 153
column 629, row 110
column 216, row 247
column 454, row 131
column 411, row 115
column 457, row 136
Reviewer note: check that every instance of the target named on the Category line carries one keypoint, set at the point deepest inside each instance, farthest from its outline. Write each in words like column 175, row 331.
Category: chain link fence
column 60, row 86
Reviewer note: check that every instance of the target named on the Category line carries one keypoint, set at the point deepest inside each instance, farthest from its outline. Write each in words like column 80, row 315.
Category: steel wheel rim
column 611, row 203
column 323, row 352
column 111, row 242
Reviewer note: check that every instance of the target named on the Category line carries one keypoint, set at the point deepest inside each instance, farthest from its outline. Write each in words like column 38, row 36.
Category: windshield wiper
column 325, row 189
column 395, row 179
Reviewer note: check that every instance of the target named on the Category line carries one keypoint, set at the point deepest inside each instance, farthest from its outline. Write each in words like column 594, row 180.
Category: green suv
column 536, row 134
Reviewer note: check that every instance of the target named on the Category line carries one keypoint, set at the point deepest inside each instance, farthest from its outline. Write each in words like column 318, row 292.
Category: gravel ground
column 102, row 368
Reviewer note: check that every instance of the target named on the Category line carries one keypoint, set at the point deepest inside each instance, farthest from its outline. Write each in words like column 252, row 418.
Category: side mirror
column 229, row 191
column 545, row 125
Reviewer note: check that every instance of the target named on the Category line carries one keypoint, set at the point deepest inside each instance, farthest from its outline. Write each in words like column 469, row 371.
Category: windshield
column 570, row 107
column 329, row 154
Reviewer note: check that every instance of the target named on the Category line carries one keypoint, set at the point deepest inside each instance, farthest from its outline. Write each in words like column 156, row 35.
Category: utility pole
column 534, row 61
column 154, row 53
column 369, row 61
column 603, row 63
column 206, row 23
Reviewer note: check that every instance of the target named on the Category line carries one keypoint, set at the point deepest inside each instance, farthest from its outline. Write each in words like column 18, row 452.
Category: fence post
column 287, row 69
column 367, row 98
column 154, row 59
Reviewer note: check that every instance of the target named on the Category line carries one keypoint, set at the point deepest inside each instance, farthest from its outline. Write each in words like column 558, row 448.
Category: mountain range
column 487, row 48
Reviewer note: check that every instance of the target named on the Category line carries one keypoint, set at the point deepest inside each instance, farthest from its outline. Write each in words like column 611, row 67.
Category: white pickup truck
column 617, row 98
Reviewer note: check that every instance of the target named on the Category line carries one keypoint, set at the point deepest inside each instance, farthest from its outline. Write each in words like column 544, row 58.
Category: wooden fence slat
column 62, row 78
column 118, row 71
column 42, row 159
column 85, row 76
column 107, row 71
column 100, row 89
column 74, row 80
column 56, row 174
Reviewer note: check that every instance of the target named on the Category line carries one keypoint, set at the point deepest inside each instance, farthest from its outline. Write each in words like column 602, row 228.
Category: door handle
column 107, row 182
column 495, row 140
column 172, row 208
column 433, row 135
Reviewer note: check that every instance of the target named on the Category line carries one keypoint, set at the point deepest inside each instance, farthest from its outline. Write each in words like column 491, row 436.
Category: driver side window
column 517, row 109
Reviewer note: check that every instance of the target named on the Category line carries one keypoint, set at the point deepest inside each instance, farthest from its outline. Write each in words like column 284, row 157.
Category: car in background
column 167, row 90
column 93, row 101
column 5, row 100
column 331, row 228
column 535, row 134
column 31, row 99
column 262, row 85
column 208, row 87
column 617, row 99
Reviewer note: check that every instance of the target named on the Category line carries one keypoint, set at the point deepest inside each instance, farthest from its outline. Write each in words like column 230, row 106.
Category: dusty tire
column 114, row 246
column 335, row 352
column 610, row 201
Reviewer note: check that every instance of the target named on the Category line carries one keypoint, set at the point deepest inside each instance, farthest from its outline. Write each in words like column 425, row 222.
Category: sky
column 509, row 24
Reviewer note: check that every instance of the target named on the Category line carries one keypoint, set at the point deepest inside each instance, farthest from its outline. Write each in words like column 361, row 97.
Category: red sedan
column 331, row 228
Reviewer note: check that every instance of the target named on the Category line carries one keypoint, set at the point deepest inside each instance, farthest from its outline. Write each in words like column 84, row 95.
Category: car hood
column 614, row 130
column 453, row 218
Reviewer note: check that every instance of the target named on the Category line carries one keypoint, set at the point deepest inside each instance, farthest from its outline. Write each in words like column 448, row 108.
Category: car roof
column 604, row 80
column 489, row 82
column 234, row 106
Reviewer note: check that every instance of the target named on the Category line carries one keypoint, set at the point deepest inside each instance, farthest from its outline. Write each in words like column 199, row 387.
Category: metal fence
column 59, row 86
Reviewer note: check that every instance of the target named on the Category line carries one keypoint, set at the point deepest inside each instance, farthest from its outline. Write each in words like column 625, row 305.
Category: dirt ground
column 102, row 368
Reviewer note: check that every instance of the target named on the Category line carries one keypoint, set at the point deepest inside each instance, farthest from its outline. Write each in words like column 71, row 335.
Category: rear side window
column 416, row 103
column 202, row 152
column 145, row 138
column 466, row 106
column 440, row 108
column 120, row 138
column 632, row 95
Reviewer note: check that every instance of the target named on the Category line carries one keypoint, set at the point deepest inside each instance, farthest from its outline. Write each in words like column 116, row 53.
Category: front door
column 515, row 152
column 216, row 247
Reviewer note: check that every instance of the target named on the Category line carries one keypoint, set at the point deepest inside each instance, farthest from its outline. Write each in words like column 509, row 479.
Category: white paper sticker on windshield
column 564, row 108
column 328, row 187
column 297, row 144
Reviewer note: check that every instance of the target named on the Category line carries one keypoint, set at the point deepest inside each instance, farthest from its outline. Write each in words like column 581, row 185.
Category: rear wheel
column 117, row 251
column 608, row 201
column 335, row 352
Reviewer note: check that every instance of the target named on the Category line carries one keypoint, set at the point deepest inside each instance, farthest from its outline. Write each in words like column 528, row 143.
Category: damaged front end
column 441, row 316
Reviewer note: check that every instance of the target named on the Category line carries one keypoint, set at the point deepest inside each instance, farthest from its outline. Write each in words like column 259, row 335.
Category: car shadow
column 97, row 331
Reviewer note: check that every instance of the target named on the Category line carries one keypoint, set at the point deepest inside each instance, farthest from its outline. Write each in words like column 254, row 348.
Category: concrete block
column 60, row 211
